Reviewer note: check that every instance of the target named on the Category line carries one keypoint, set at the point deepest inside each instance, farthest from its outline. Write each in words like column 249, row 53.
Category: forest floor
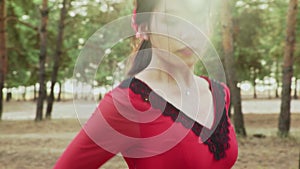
column 26, row 144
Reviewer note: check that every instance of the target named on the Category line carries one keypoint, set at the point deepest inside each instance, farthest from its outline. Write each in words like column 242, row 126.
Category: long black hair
column 144, row 53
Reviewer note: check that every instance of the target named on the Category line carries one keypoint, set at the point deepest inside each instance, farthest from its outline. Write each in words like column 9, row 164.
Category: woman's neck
column 169, row 68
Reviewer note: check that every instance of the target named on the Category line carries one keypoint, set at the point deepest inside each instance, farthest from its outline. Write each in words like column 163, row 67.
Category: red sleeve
column 82, row 152
column 99, row 139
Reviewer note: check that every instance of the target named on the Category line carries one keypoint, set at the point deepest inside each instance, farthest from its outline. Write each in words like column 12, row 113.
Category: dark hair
column 144, row 54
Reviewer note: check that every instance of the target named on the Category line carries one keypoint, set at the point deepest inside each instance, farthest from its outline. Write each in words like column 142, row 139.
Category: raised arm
column 99, row 139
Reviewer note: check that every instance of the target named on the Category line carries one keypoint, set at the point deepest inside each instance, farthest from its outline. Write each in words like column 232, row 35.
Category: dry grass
column 26, row 144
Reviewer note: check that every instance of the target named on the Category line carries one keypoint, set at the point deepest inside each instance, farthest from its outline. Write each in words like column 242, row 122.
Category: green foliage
column 259, row 34
column 84, row 18
column 297, row 52
column 22, row 46
column 259, row 38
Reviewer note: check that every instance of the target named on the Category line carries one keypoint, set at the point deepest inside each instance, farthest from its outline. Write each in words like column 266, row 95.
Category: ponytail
column 144, row 54
column 142, row 58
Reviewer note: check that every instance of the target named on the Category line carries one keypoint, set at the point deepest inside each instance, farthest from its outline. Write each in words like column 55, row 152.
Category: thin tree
column 287, row 70
column 227, row 41
column 3, row 52
column 42, row 60
column 299, row 161
column 59, row 92
column 56, row 57
column 296, row 88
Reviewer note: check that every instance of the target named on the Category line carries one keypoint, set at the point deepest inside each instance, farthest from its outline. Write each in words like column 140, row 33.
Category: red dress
column 151, row 133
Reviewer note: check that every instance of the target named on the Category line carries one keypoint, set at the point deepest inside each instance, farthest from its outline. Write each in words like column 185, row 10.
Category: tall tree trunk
column 287, row 70
column 296, row 88
column 3, row 52
column 42, row 60
column 50, row 99
column 56, row 59
column 254, row 86
column 299, row 161
column 8, row 95
column 59, row 92
column 276, row 91
column 34, row 92
column 24, row 94
column 230, row 69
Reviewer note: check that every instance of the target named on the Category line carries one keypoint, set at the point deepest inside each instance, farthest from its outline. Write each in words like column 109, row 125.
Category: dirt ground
column 31, row 145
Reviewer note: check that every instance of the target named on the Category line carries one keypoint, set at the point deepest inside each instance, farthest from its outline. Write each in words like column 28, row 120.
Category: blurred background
column 40, row 41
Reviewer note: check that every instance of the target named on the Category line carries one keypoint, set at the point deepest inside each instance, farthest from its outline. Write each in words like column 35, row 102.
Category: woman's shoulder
column 212, row 81
column 135, row 85
column 125, row 83
column 129, row 88
column 218, row 87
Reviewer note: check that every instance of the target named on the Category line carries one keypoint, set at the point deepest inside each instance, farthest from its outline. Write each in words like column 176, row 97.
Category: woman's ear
column 142, row 32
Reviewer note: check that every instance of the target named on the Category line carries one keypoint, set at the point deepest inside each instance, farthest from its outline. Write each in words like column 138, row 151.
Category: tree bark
column 24, row 94
column 9, row 18
column 296, row 89
column 3, row 52
column 34, row 92
column 8, row 95
column 56, row 58
column 287, row 70
column 50, row 99
column 254, row 86
column 230, row 69
column 42, row 60
column 59, row 92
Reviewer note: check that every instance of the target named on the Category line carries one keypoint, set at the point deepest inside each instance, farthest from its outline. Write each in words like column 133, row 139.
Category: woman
column 163, row 116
